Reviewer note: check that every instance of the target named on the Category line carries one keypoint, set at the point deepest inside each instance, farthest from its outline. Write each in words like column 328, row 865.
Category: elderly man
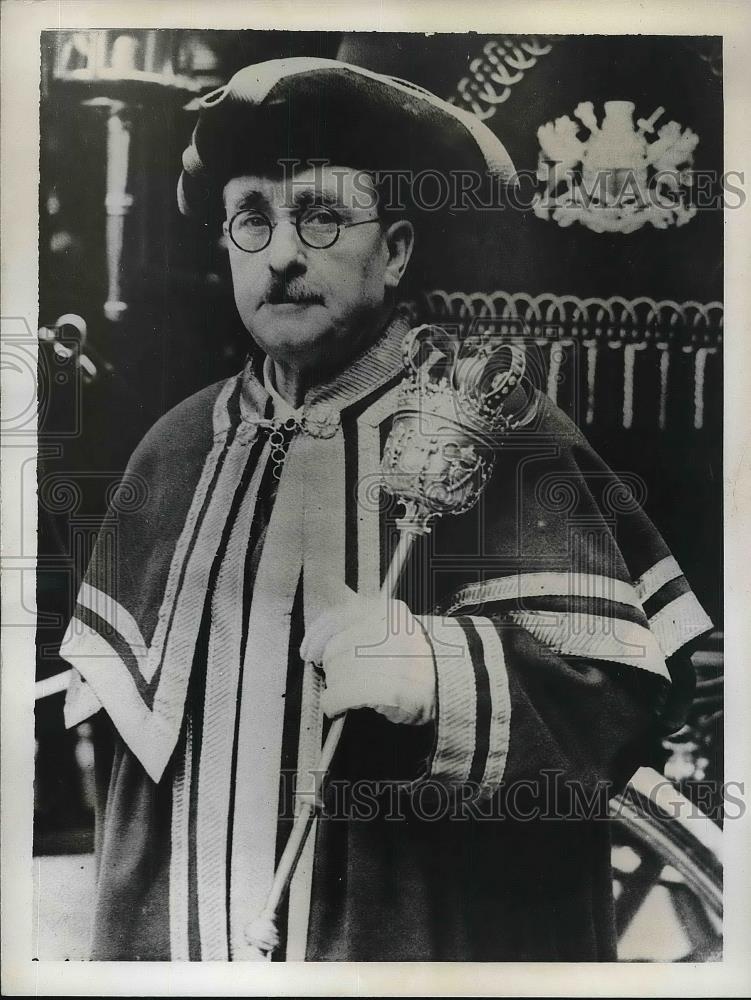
column 519, row 670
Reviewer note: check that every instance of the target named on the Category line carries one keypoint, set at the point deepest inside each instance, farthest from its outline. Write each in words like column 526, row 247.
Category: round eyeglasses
column 319, row 228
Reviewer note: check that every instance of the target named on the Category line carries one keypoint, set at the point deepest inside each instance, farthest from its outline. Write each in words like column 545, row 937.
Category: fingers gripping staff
column 396, row 677
column 458, row 399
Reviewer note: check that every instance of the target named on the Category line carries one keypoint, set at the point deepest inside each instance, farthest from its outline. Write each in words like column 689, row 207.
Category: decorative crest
column 615, row 180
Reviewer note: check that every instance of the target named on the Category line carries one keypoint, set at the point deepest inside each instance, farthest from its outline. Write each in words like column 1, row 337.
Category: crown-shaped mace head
column 458, row 401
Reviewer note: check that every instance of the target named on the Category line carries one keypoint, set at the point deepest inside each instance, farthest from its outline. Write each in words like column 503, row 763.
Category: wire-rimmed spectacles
column 250, row 230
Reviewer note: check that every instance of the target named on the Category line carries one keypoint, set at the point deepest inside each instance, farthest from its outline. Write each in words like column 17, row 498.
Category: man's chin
column 289, row 332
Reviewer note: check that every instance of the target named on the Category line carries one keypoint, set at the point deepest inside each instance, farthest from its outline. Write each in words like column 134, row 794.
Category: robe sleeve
column 572, row 660
column 510, row 708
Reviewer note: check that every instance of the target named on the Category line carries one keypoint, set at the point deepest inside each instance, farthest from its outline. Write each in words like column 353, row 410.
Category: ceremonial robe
column 556, row 618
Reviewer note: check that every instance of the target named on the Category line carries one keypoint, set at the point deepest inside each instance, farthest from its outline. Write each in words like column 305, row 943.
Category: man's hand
column 374, row 655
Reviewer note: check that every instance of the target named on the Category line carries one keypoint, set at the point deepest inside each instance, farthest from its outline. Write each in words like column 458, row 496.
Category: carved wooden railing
column 622, row 362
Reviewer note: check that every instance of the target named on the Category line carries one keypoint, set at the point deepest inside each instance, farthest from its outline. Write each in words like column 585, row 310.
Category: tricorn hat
column 308, row 108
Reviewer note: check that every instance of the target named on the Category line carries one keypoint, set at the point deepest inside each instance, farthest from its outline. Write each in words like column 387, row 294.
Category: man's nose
column 286, row 250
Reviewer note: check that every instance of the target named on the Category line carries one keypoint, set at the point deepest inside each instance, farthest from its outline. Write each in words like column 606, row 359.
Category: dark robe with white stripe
column 556, row 618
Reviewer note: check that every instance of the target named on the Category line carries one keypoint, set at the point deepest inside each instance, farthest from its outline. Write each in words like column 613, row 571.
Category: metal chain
column 280, row 439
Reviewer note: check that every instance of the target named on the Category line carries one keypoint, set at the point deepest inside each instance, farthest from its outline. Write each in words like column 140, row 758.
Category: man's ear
column 400, row 241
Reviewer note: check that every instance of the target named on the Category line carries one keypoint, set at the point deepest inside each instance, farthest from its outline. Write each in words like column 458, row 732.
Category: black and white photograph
column 367, row 436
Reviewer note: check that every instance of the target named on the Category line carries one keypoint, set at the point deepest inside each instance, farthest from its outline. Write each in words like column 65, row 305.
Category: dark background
column 181, row 331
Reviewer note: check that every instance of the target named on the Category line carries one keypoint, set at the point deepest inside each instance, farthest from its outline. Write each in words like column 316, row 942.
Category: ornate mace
column 459, row 399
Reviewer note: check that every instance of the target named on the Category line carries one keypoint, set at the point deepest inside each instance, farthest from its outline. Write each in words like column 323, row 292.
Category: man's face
column 308, row 308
